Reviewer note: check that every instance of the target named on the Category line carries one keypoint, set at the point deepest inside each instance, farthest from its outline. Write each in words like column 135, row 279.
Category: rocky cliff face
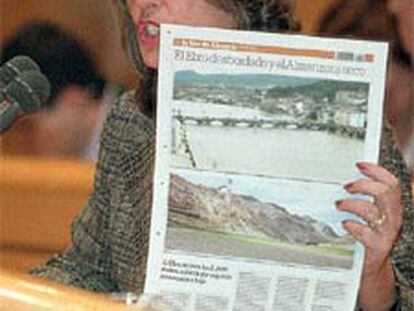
column 207, row 208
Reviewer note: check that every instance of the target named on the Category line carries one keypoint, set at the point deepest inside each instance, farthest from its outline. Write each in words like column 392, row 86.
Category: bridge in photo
column 203, row 114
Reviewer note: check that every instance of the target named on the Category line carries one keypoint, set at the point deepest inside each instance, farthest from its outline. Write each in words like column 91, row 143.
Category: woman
column 110, row 238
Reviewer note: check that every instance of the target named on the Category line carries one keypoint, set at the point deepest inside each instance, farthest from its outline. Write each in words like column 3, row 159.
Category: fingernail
column 361, row 166
column 343, row 223
column 348, row 186
column 338, row 203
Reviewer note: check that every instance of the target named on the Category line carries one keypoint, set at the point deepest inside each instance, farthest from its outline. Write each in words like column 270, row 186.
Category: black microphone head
column 29, row 90
column 14, row 67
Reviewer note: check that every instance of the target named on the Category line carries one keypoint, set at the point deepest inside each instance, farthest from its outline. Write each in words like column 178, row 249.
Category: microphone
column 24, row 94
column 15, row 67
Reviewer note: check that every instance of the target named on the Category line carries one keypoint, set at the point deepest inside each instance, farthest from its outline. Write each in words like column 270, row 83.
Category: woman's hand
column 383, row 219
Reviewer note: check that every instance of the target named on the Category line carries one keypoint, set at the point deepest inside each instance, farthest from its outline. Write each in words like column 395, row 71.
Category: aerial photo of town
column 315, row 104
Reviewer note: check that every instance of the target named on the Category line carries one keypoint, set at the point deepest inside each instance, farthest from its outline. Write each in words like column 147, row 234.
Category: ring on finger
column 377, row 223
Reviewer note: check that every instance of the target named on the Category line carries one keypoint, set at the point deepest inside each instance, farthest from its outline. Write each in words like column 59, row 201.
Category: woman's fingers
column 378, row 243
column 378, row 173
column 360, row 232
column 367, row 186
column 387, row 199
column 384, row 214
column 366, row 210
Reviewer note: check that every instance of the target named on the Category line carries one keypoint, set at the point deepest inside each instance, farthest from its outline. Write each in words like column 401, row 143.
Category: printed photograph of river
column 299, row 128
column 257, row 162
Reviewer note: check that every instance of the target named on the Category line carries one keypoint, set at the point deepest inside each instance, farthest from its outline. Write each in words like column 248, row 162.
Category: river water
column 296, row 154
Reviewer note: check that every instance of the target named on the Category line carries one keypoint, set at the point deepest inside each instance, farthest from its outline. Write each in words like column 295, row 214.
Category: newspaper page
column 256, row 135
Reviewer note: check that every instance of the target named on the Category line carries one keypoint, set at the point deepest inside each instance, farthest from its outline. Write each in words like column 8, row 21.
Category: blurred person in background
column 391, row 21
column 70, row 121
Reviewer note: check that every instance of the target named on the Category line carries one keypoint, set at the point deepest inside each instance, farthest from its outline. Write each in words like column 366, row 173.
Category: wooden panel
column 39, row 199
column 23, row 259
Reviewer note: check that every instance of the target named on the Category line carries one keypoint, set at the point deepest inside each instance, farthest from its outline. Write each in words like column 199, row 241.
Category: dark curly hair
column 257, row 15
column 260, row 15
